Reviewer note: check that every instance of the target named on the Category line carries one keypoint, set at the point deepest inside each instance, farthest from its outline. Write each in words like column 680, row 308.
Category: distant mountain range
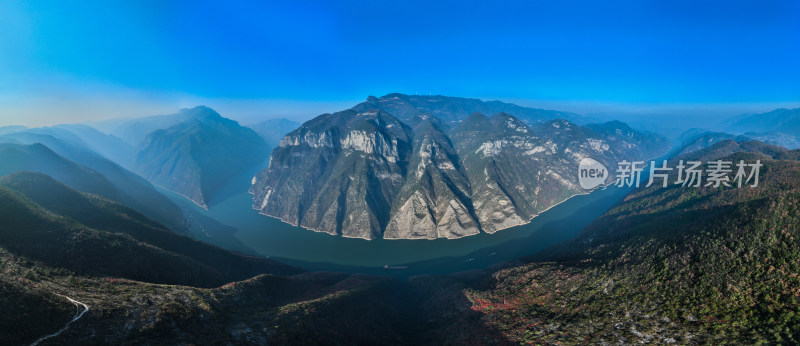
column 778, row 127
column 272, row 130
column 196, row 153
column 197, row 156
column 697, row 139
column 76, row 165
column 780, row 120
column 438, row 171
column 39, row 158
column 107, row 145
column 134, row 131
column 451, row 110
column 92, row 235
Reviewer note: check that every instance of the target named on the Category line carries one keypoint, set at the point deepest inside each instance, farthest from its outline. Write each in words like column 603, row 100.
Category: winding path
column 78, row 315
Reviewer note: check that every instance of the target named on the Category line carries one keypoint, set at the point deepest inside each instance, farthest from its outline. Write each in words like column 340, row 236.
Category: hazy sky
column 68, row 62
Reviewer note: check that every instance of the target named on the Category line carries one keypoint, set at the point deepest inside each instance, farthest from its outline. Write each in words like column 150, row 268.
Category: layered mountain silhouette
column 779, row 120
column 778, row 127
column 50, row 222
column 58, row 156
column 451, row 110
column 273, row 130
column 199, row 155
column 39, row 158
column 366, row 173
column 107, row 145
column 134, row 131
column 697, row 139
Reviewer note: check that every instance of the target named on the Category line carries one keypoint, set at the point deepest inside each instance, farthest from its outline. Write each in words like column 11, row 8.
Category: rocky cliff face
column 337, row 173
column 365, row 173
column 434, row 201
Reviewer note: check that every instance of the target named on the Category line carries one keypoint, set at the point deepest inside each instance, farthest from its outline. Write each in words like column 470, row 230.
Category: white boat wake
column 78, row 315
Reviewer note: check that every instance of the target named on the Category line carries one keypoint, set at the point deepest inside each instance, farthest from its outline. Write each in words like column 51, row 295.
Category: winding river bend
column 233, row 224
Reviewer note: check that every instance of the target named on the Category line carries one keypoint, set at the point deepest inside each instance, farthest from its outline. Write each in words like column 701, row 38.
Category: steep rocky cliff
column 365, row 173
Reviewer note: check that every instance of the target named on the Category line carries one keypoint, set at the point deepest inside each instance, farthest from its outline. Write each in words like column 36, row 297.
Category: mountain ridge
column 453, row 109
column 339, row 172
column 91, row 227
column 134, row 191
column 197, row 156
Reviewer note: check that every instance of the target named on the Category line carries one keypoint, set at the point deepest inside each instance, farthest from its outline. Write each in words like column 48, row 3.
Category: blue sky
column 65, row 62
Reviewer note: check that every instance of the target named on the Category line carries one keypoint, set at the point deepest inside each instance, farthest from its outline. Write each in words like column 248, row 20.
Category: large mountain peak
column 199, row 112
column 507, row 122
column 411, row 167
column 198, row 156
column 476, row 117
column 474, row 122
column 781, row 120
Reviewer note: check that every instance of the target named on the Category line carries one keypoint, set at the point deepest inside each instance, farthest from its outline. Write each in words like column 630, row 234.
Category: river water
column 233, row 224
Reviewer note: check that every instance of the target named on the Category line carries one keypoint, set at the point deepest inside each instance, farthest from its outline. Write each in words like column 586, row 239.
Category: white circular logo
column 591, row 173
